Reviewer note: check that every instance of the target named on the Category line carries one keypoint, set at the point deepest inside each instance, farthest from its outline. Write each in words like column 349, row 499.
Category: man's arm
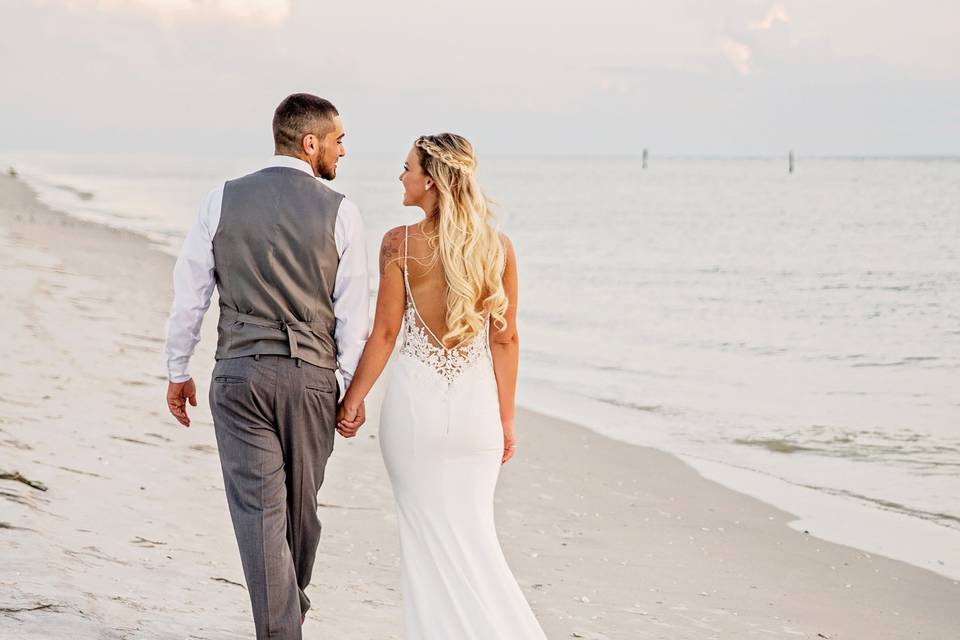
column 351, row 290
column 193, row 283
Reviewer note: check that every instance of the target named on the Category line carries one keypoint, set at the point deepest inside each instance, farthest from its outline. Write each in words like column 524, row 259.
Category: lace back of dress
column 420, row 343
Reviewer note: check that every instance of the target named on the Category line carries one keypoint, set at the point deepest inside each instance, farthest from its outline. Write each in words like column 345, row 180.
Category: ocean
column 795, row 336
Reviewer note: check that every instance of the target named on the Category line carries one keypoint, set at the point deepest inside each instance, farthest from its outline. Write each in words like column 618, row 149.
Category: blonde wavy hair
column 467, row 237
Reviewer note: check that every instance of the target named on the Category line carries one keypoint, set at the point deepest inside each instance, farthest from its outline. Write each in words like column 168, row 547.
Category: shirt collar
column 291, row 163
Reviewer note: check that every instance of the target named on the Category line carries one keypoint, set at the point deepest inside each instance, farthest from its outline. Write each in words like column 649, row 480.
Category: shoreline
column 607, row 540
column 840, row 519
column 844, row 519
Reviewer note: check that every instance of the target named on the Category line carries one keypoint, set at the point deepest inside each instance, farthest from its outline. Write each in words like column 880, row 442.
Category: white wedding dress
column 442, row 443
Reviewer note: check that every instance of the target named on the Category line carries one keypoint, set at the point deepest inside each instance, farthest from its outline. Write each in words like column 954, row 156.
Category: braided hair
column 443, row 147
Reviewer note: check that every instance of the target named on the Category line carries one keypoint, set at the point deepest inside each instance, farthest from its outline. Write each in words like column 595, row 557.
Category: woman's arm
column 505, row 349
column 391, row 299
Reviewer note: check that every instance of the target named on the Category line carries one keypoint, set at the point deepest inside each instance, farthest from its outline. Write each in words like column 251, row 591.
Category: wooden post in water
column 790, row 162
column 644, row 158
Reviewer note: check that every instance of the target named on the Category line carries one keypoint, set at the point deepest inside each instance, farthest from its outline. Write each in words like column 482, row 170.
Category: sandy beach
column 113, row 522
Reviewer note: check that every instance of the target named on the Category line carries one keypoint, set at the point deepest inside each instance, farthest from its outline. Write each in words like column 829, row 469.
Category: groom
column 288, row 257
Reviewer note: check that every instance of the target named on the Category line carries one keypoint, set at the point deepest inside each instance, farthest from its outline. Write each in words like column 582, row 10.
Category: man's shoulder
column 245, row 184
column 213, row 198
column 328, row 191
column 348, row 211
column 248, row 176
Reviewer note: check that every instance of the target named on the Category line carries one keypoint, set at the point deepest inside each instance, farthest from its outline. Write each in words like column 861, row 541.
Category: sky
column 680, row 77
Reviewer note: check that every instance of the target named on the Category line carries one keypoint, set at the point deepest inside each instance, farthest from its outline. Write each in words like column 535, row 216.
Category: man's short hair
column 298, row 115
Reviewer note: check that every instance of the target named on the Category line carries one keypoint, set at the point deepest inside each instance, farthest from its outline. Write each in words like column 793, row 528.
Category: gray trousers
column 274, row 419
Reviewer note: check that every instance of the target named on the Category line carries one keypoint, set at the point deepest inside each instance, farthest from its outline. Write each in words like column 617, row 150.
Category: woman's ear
column 428, row 184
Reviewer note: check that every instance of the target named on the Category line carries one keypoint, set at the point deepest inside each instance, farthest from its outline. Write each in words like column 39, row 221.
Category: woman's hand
column 509, row 440
column 350, row 416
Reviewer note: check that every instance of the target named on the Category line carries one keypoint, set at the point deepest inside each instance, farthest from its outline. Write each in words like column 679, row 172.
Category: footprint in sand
column 203, row 448
column 93, row 552
column 140, row 541
column 133, row 440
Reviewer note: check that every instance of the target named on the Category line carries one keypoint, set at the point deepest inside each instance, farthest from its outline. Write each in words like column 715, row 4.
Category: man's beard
column 327, row 173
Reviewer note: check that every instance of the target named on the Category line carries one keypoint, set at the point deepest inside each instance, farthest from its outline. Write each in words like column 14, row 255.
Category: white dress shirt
column 193, row 283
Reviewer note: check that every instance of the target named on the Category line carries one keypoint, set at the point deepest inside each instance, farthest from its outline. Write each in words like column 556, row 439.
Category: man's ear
column 309, row 143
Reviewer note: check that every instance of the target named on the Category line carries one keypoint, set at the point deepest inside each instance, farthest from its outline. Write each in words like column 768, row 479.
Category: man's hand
column 177, row 395
column 350, row 418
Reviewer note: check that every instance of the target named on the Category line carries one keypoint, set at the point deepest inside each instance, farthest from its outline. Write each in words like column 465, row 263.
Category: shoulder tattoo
column 390, row 248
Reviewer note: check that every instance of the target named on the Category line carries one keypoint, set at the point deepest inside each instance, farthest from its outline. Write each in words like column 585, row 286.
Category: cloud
column 737, row 53
column 776, row 14
column 269, row 12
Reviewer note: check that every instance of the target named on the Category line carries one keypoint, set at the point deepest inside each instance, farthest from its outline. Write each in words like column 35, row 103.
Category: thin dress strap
column 406, row 281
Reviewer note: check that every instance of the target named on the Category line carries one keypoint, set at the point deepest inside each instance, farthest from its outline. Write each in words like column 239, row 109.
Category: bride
column 450, row 283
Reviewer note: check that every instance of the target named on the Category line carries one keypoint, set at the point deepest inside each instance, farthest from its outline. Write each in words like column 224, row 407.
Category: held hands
column 350, row 417
column 178, row 393
column 509, row 440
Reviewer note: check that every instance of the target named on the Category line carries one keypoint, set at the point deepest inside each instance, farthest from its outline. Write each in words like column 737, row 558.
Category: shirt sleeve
column 193, row 284
column 351, row 290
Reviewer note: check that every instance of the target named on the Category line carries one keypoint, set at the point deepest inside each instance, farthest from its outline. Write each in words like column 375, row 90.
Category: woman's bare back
column 428, row 285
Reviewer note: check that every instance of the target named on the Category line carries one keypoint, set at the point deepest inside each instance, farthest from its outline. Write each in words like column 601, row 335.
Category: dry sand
column 131, row 537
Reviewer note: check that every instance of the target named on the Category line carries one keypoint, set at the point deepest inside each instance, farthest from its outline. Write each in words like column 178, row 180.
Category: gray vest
column 275, row 262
